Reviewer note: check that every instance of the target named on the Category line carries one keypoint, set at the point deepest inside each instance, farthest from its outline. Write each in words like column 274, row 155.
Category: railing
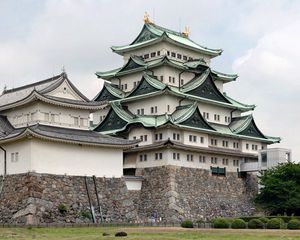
column 250, row 167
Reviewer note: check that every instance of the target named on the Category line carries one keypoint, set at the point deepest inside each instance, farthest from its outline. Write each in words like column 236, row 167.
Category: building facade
column 167, row 96
column 45, row 129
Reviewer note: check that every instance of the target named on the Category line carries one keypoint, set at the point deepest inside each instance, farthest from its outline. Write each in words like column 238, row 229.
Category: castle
column 164, row 139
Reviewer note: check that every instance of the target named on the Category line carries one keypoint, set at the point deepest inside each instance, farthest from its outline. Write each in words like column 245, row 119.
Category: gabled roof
column 152, row 33
column 147, row 85
column 109, row 93
column 187, row 116
column 204, row 86
column 66, row 135
column 196, row 65
column 40, row 90
column 196, row 90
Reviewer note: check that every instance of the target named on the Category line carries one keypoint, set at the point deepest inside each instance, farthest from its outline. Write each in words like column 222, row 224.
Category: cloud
column 269, row 76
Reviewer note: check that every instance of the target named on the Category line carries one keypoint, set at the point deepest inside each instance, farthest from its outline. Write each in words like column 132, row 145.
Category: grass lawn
column 148, row 233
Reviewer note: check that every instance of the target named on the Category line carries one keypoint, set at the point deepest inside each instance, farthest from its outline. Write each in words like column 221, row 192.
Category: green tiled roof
column 141, row 65
column 157, row 87
column 187, row 116
column 152, row 33
column 109, row 93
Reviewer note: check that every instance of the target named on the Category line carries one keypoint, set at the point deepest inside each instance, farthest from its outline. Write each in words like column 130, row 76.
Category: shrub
column 264, row 220
column 187, row 224
column 238, row 224
column 86, row 214
column 255, row 224
column 62, row 208
column 293, row 224
column 221, row 223
column 121, row 234
column 275, row 223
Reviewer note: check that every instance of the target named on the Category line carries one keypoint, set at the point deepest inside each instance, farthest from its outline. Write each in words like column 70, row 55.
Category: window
column 192, row 138
column 168, row 53
column 217, row 117
column 125, row 86
column 46, row 117
column 146, row 56
column 145, row 157
column 225, row 143
column 161, row 78
column 185, row 57
column 134, row 84
column 176, row 156
column 158, row 53
column 227, row 119
column 141, row 158
column 173, row 80
column 247, row 146
column 202, row 159
column 75, row 120
column 53, row 118
column 190, row 58
column 134, row 138
column 173, row 54
column 174, row 136
column 236, row 162
column 81, row 122
column 170, row 79
column 213, row 142
column 156, row 136
column 138, row 111
column 16, row 156
column 153, row 54
column 160, row 136
column 179, row 56
column 168, row 108
column 235, row 145
column 122, row 86
column 201, row 140
column 181, row 82
column 142, row 111
column 145, row 138
column 155, row 109
column 142, row 138
column 206, row 115
column 190, row 157
column 214, row 160
column 178, row 136
column 152, row 109
column 225, row 161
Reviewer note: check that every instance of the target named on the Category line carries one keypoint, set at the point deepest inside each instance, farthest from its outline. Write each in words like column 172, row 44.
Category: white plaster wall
column 65, row 91
column 34, row 113
column 161, row 101
column 100, row 113
column 129, row 80
column 186, row 139
column 23, row 165
column 71, row 159
column 138, row 132
column 151, row 162
column 244, row 149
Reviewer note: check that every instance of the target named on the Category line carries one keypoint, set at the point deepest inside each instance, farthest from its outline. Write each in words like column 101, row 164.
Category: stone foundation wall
column 169, row 192
column 177, row 193
column 34, row 198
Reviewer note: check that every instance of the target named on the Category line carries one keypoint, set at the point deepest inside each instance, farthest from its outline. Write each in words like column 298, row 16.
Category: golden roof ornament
column 146, row 18
column 186, row 31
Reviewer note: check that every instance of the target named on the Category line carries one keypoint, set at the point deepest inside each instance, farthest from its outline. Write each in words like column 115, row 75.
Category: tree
column 280, row 192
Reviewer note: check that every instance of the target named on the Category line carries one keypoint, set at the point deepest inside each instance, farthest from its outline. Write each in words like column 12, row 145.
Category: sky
column 260, row 39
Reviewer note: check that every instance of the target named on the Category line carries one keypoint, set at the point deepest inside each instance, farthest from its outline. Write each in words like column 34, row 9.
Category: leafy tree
column 280, row 192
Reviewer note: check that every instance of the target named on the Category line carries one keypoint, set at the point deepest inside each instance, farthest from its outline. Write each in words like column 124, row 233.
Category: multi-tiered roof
column 201, row 88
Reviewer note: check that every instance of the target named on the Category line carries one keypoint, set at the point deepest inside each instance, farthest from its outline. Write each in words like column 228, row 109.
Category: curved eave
column 36, row 96
column 225, row 77
column 164, row 37
column 28, row 132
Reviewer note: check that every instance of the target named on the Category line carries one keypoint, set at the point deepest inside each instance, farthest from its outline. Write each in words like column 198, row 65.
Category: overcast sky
column 261, row 42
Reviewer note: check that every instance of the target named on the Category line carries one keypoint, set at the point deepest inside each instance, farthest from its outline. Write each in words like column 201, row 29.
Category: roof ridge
column 54, row 78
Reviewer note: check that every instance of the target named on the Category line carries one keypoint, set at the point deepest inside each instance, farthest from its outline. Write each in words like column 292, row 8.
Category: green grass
column 148, row 233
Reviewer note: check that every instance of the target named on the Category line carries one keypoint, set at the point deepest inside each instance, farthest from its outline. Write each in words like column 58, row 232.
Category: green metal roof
column 109, row 93
column 152, row 33
column 150, row 86
column 141, row 65
column 187, row 116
